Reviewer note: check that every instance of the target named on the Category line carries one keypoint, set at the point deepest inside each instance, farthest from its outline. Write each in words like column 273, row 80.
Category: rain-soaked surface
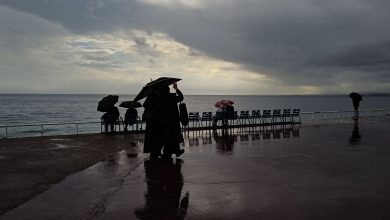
column 338, row 171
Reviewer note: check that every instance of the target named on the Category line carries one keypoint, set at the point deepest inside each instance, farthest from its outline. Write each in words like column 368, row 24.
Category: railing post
column 6, row 132
column 77, row 128
column 42, row 130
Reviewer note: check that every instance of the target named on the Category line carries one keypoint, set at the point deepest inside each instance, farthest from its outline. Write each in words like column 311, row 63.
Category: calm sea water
column 31, row 109
column 38, row 109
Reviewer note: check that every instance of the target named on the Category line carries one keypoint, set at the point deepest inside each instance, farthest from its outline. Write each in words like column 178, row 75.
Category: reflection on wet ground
column 356, row 136
column 163, row 194
column 224, row 139
column 273, row 173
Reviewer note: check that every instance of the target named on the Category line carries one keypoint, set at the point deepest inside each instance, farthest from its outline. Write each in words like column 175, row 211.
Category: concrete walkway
column 334, row 171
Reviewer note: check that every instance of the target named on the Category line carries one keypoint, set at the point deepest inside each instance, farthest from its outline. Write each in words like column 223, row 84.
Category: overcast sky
column 255, row 47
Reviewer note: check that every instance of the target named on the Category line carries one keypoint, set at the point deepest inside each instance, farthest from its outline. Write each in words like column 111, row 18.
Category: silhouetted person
column 153, row 119
column 163, row 131
column 110, row 118
column 356, row 99
column 163, row 196
column 130, row 117
column 223, row 113
column 171, row 129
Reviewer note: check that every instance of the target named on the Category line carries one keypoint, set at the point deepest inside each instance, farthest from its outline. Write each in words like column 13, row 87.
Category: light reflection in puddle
column 61, row 146
column 224, row 139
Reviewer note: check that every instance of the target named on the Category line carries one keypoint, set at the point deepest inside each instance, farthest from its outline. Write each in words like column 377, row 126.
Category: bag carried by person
column 183, row 113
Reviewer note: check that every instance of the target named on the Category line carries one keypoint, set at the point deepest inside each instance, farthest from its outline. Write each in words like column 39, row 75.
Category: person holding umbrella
column 131, row 113
column 356, row 99
column 162, row 118
column 224, row 109
column 111, row 115
column 171, row 121
column 110, row 118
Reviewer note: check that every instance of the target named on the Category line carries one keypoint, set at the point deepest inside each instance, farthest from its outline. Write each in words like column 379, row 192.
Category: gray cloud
column 376, row 55
column 298, row 42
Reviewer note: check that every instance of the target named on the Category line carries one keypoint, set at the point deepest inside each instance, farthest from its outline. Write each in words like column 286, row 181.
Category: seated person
column 224, row 114
column 130, row 117
column 110, row 118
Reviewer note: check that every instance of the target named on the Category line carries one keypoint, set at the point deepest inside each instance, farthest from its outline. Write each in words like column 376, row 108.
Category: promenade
column 312, row 171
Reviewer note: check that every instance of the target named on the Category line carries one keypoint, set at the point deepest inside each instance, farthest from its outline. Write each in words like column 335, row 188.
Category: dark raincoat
column 152, row 117
column 131, row 116
column 162, row 122
column 172, row 136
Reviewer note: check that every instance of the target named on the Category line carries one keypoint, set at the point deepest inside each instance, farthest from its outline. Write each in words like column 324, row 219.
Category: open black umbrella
column 158, row 83
column 107, row 102
column 355, row 96
column 130, row 104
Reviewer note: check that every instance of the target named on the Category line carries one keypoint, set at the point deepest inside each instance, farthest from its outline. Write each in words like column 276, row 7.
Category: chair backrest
column 266, row 113
column 207, row 116
column 296, row 112
column 255, row 114
column 193, row 116
column 276, row 113
column 286, row 112
column 244, row 114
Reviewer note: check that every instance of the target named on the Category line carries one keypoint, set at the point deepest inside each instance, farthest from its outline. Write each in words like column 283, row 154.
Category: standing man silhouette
column 356, row 99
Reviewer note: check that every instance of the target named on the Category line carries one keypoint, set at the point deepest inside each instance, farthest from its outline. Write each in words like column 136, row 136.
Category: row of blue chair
column 255, row 117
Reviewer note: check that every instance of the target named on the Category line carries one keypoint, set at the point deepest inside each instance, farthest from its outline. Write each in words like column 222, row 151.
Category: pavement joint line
column 100, row 207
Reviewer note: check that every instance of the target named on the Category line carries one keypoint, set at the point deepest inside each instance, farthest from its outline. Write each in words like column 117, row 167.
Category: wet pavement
column 333, row 171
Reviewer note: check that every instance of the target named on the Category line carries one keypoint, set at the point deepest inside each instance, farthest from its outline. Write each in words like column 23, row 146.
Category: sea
column 37, row 109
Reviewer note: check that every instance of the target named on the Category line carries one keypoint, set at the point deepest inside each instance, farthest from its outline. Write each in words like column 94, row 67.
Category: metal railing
column 329, row 115
column 43, row 129
column 74, row 127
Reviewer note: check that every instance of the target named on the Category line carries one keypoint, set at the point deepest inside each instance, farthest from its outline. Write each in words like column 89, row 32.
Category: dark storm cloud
column 300, row 42
column 364, row 55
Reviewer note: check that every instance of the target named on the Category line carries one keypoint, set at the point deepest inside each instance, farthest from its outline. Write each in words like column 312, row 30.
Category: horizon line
column 325, row 94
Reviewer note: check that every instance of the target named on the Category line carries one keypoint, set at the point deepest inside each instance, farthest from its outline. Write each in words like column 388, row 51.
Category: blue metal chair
column 286, row 115
column 194, row 118
column 207, row 117
column 266, row 116
column 276, row 115
column 244, row 117
column 255, row 116
column 296, row 114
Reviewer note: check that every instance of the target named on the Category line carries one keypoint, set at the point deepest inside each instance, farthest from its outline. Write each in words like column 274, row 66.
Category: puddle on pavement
column 61, row 146
column 59, row 139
